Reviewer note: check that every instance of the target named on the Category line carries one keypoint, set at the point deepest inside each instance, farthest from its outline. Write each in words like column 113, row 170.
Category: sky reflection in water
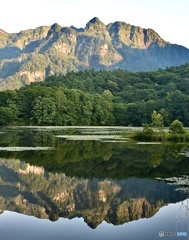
column 171, row 218
column 128, row 162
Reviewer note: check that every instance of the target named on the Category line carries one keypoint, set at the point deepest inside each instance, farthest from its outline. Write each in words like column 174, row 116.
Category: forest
column 90, row 97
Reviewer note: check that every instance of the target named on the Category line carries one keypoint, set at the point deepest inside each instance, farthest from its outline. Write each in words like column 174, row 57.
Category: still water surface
column 90, row 183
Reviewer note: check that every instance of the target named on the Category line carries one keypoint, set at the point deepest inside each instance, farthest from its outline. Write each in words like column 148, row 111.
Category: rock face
column 32, row 55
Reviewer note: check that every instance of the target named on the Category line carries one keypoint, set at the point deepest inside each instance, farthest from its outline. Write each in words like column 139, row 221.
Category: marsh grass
column 157, row 135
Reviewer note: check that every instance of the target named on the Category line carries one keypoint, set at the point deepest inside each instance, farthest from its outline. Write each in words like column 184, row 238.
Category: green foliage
column 160, row 136
column 148, row 131
column 146, row 135
column 157, row 120
column 9, row 114
column 101, row 98
column 176, row 133
column 176, row 127
column 44, row 111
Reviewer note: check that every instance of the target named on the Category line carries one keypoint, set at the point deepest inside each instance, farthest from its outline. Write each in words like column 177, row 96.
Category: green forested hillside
column 100, row 98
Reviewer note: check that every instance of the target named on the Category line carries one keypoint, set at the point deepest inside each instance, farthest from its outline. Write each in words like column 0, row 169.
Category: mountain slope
column 32, row 55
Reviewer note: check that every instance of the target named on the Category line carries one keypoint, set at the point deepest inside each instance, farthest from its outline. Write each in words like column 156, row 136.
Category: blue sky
column 169, row 18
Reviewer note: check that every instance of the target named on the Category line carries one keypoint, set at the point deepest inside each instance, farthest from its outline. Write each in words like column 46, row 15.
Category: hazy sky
column 169, row 18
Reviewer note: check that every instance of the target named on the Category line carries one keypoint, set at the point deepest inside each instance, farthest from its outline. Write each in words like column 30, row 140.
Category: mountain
column 34, row 54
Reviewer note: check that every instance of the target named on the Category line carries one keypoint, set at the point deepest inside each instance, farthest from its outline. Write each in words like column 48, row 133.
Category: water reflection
column 31, row 190
column 93, row 159
column 169, row 218
column 102, row 182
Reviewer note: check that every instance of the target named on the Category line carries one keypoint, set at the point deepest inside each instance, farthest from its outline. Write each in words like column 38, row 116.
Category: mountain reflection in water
column 113, row 182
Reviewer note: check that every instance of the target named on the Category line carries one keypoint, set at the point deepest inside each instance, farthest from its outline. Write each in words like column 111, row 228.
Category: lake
column 91, row 183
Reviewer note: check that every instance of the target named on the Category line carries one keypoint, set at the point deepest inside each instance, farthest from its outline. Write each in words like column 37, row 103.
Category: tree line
column 102, row 97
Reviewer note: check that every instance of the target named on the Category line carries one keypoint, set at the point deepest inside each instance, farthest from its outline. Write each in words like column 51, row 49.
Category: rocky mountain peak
column 2, row 32
column 95, row 23
column 3, row 38
column 30, row 53
column 95, row 20
column 133, row 36
column 55, row 28
column 150, row 36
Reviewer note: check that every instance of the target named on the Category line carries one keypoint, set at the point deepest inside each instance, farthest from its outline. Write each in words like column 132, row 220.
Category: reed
column 161, row 135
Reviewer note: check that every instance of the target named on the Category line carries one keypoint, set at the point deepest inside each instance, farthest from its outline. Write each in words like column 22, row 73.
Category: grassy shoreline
column 160, row 136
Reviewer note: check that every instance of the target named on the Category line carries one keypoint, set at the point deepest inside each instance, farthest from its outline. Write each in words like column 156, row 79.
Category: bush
column 176, row 127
